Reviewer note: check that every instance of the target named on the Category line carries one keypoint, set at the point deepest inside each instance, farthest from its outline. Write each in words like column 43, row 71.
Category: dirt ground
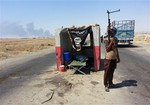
column 142, row 38
column 51, row 87
column 12, row 47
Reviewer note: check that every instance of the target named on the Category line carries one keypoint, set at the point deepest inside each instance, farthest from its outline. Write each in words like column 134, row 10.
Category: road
column 131, row 76
column 134, row 72
column 16, row 73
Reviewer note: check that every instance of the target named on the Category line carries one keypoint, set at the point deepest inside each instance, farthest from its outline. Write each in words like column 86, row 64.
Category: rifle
column 109, row 24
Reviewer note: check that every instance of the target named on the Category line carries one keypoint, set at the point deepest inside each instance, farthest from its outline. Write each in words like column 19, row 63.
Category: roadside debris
column 49, row 98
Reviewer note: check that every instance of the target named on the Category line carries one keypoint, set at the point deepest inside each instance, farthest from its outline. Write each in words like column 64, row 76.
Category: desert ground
column 12, row 47
column 28, row 76
column 142, row 38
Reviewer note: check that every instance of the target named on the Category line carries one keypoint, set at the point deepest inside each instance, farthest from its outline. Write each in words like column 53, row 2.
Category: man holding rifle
column 112, row 55
column 112, row 58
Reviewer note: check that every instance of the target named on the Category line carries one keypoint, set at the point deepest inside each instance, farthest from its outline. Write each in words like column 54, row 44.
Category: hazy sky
column 27, row 18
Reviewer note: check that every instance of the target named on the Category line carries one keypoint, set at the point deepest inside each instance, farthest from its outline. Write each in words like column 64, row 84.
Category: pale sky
column 29, row 18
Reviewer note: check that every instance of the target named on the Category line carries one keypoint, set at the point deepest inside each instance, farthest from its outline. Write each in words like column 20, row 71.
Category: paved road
column 134, row 73
column 15, row 72
column 131, row 76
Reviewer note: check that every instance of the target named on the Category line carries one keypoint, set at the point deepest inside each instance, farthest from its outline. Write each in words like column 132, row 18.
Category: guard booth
column 82, row 43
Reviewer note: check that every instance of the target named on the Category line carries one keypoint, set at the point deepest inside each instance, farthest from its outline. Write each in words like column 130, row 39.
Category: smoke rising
column 15, row 30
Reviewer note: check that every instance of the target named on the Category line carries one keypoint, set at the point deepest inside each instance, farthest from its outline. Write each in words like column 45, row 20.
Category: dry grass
column 144, row 38
column 12, row 47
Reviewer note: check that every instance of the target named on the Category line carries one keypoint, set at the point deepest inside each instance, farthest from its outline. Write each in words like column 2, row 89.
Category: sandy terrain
column 48, row 86
column 142, row 38
column 12, row 47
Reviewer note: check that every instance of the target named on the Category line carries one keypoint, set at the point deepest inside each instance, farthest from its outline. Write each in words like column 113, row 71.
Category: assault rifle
column 109, row 24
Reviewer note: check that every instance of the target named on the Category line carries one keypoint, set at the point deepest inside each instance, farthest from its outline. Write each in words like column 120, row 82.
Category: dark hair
column 112, row 31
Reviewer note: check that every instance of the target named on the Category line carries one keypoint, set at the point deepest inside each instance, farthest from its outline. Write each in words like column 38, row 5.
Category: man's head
column 112, row 31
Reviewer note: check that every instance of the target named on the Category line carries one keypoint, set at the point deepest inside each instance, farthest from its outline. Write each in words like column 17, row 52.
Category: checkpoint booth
column 78, row 44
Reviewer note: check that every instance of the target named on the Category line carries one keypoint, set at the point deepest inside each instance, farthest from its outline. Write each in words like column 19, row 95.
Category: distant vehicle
column 125, row 31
